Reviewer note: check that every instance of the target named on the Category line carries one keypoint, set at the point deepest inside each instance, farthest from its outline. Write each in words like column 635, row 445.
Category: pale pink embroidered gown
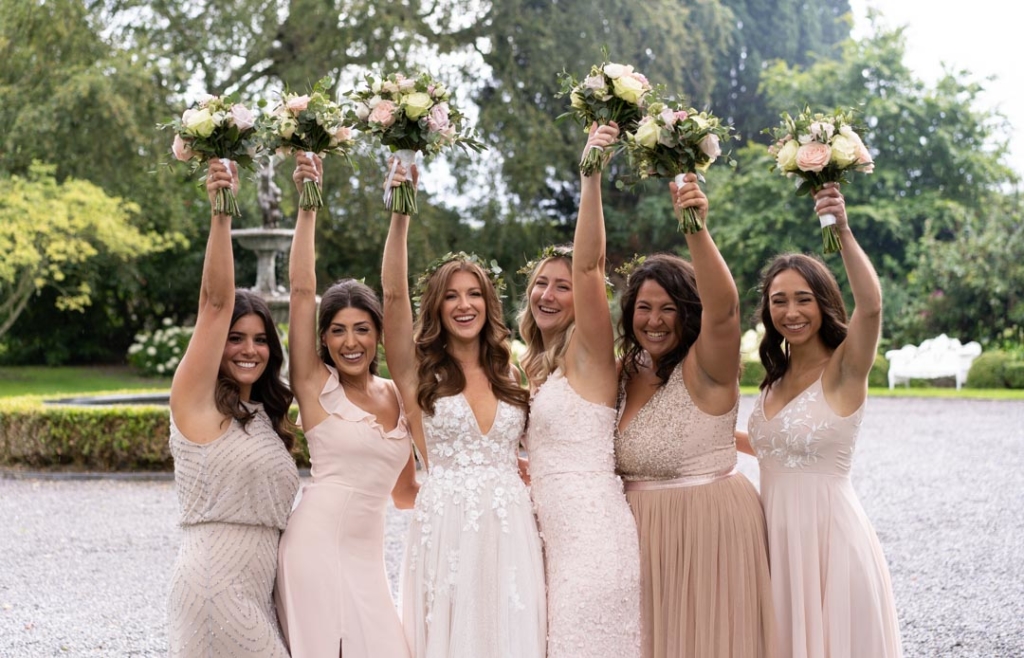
column 332, row 595
column 473, row 575
column 832, row 591
column 591, row 551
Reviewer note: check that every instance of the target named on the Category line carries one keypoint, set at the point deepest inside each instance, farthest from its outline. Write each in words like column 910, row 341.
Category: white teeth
column 795, row 327
column 464, row 318
column 245, row 364
column 656, row 334
column 547, row 309
column 352, row 357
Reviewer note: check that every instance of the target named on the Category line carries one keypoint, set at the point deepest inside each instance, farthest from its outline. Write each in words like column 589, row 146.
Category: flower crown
column 627, row 268
column 492, row 269
column 558, row 251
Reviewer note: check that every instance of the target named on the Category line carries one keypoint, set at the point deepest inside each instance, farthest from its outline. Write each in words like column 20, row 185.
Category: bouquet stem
column 689, row 221
column 226, row 203
column 829, row 235
column 593, row 161
column 310, row 198
column 403, row 199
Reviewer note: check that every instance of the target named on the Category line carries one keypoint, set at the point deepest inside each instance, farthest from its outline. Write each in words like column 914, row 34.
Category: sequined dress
column 591, row 554
column 332, row 594
column 473, row 574
column 234, row 496
column 705, row 590
column 833, row 595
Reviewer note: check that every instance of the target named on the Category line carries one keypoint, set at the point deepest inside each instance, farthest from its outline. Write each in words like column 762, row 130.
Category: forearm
column 218, row 282
column 302, row 259
column 395, row 265
column 864, row 284
column 589, row 240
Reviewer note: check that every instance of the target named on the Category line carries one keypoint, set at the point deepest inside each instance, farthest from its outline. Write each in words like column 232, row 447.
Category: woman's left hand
column 307, row 168
column 829, row 201
column 689, row 195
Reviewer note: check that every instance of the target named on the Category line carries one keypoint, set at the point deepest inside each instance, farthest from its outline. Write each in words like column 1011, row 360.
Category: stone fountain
column 267, row 241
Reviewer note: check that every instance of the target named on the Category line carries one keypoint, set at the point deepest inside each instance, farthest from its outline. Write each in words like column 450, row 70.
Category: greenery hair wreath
column 492, row 269
column 558, row 251
column 627, row 268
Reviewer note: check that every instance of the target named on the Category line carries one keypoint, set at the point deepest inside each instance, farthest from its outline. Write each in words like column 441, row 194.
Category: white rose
column 647, row 134
column 628, row 89
column 786, row 157
column 844, row 151
column 710, row 146
column 614, row 71
column 362, row 111
column 200, row 123
column 417, row 104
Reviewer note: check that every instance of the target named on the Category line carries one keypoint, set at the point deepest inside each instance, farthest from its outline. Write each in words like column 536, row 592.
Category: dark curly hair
column 269, row 389
column 677, row 277
column 775, row 355
column 349, row 293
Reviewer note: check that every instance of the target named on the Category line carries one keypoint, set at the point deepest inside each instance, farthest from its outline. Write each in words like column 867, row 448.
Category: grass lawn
column 43, row 380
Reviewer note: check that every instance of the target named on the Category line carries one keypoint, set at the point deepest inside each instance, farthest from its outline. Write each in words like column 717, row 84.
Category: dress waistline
column 687, row 481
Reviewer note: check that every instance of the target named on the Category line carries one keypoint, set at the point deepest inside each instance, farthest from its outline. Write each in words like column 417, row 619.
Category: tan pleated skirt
column 705, row 589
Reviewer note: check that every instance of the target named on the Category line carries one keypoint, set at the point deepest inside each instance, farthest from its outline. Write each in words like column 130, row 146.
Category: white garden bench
column 937, row 357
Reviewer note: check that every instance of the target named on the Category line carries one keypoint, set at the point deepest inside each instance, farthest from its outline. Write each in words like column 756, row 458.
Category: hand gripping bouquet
column 312, row 123
column 216, row 127
column 612, row 92
column 671, row 141
column 819, row 148
column 409, row 116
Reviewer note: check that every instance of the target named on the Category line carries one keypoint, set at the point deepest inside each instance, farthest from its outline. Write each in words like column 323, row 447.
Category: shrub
column 879, row 375
column 102, row 438
column 752, row 374
column 159, row 352
column 987, row 371
column 1013, row 374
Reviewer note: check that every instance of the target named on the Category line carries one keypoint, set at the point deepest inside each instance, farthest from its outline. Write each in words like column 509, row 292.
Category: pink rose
column 668, row 117
column 710, row 146
column 682, row 115
column 342, row 134
column 297, row 104
column 383, row 114
column 437, row 120
column 813, row 156
column 180, row 149
column 242, row 117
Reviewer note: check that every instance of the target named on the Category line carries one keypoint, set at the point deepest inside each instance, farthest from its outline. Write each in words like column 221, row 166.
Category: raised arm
column 856, row 354
column 592, row 348
column 306, row 371
column 398, row 319
column 718, row 346
column 195, row 380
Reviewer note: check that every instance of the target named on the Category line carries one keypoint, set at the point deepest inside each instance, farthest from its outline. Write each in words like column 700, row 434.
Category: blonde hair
column 541, row 360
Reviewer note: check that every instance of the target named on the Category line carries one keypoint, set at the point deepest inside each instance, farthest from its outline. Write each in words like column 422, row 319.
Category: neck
column 550, row 337
column 466, row 354
column 808, row 356
column 360, row 382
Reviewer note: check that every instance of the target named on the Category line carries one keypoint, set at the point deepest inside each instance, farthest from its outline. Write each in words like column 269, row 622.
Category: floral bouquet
column 612, row 92
column 216, row 128
column 670, row 142
column 409, row 116
column 817, row 149
column 312, row 123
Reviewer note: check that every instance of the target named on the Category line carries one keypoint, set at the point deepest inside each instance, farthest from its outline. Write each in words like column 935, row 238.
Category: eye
column 476, row 293
column 362, row 330
column 262, row 340
column 564, row 288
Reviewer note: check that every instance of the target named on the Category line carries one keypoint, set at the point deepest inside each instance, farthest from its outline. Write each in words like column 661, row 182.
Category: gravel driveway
column 84, row 563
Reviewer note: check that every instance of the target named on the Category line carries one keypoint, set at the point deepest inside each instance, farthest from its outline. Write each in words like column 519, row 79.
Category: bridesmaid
column 235, row 477
column 332, row 593
column 703, row 554
column 831, row 585
column 591, row 556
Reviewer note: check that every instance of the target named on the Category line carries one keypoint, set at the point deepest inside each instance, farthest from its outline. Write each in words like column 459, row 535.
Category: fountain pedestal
column 267, row 243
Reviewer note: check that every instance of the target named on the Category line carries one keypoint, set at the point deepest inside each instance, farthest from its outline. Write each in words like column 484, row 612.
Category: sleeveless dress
column 473, row 573
column 234, row 496
column 705, row 590
column 591, row 554
column 333, row 595
column 833, row 594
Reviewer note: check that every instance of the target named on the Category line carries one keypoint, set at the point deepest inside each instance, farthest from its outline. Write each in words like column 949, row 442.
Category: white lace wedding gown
column 473, row 575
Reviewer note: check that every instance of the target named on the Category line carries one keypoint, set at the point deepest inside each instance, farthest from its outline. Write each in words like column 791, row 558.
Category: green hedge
column 753, row 373
column 987, row 371
column 102, row 438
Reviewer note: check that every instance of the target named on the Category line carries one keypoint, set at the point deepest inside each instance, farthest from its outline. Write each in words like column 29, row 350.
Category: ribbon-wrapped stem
column 310, row 198
column 689, row 221
column 592, row 160
column 829, row 235
column 225, row 202
column 401, row 199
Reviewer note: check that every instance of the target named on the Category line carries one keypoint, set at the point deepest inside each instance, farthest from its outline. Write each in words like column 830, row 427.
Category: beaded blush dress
column 833, row 594
column 234, row 496
column 473, row 574
column 591, row 554
column 705, row 590
column 332, row 593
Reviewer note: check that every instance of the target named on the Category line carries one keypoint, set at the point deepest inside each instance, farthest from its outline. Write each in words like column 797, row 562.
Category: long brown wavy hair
column 775, row 355
column 677, row 277
column 541, row 360
column 269, row 389
column 439, row 374
column 349, row 293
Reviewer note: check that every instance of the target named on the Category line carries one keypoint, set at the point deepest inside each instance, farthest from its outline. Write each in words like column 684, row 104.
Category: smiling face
column 246, row 352
column 794, row 308
column 351, row 341
column 463, row 308
column 656, row 320
column 551, row 300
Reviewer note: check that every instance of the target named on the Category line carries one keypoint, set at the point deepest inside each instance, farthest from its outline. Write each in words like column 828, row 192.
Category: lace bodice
column 466, row 464
column 568, row 434
column 805, row 435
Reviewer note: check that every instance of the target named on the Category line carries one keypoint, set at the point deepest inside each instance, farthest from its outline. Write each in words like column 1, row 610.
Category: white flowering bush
column 159, row 352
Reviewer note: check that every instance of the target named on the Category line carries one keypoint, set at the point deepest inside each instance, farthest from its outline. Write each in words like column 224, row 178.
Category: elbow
column 405, row 497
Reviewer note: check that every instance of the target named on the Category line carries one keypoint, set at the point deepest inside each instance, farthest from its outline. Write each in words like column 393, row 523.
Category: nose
column 249, row 346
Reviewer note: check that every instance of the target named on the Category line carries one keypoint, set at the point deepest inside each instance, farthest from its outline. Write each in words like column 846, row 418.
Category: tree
column 57, row 235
